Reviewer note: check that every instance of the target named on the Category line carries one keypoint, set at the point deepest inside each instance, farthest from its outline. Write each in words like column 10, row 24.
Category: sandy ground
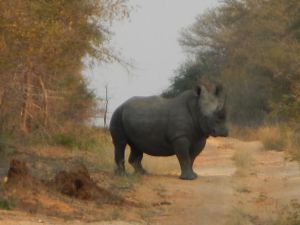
column 239, row 183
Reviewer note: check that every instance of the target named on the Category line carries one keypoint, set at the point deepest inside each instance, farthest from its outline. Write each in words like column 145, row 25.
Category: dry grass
column 280, row 138
column 275, row 215
column 240, row 217
column 293, row 146
column 242, row 133
column 274, row 137
column 243, row 160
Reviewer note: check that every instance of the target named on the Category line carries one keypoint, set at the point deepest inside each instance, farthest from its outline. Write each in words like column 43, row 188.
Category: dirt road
column 239, row 183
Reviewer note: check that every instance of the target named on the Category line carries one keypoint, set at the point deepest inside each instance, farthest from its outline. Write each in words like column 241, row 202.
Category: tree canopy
column 256, row 49
column 42, row 46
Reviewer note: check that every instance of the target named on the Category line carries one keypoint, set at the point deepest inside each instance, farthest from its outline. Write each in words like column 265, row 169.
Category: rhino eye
column 218, row 90
column 221, row 115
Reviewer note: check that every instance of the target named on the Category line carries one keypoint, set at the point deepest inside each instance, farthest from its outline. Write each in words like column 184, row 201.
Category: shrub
column 4, row 204
column 273, row 137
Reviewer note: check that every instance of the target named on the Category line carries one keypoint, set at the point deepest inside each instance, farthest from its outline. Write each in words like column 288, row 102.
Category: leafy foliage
column 256, row 44
column 190, row 72
column 42, row 46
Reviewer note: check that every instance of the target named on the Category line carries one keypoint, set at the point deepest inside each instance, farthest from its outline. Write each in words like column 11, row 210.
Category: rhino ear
column 198, row 90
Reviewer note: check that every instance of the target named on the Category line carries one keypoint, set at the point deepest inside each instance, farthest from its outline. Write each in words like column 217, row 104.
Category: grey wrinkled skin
column 164, row 127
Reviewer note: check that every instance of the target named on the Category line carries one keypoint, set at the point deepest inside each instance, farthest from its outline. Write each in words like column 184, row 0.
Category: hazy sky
column 149, row 40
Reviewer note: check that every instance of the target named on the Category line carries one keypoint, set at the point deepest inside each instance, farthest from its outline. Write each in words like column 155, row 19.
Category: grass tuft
column 243, row 160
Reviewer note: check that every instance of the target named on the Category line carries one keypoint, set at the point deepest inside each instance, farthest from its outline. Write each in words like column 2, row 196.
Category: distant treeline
column 253, row 46
column 42, row 47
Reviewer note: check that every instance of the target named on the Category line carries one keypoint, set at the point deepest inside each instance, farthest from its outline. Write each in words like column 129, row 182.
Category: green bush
column 65, row 139
column 4, row 204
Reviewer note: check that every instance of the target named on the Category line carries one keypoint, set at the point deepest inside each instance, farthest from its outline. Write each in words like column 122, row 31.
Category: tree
column 42, row 46
column 191, row 71
column 257, row 43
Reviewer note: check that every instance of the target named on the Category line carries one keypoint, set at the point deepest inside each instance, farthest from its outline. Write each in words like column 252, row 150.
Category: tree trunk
column 106, row 106
column 45, row 105
column 27, row 103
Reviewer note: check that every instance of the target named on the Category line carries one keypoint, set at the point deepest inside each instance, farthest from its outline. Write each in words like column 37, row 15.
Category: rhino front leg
column 181, row 148
column 196, row 149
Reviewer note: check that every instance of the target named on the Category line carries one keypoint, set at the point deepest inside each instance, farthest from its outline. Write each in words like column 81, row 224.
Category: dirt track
column 252, row 189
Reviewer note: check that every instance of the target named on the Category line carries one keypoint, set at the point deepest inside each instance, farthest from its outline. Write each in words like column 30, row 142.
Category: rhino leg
column 135, row 159
column 193, row 157
column 119, row 158
column 181, row 148
column 119, row 140
column 196, row 149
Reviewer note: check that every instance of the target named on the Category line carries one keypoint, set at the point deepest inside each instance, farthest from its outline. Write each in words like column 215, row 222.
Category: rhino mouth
column 220, row 132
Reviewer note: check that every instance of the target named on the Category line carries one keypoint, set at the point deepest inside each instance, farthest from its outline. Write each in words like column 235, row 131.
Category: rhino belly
column 149, row 140
column 155, row 149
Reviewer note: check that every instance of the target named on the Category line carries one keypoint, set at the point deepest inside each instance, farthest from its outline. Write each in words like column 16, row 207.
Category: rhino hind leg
column 135, row 159
column 120, row 142
column 119, row 158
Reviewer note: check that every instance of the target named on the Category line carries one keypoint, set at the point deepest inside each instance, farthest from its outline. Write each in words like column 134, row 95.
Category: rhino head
column 211, row 103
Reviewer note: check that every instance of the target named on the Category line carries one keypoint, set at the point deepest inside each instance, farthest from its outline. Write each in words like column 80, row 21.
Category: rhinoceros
column 161, row 126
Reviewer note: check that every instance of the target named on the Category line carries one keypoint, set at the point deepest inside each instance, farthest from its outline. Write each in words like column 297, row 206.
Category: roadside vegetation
column 253, row 48
column 274, row 137
column 45, row 102
column 44, row 47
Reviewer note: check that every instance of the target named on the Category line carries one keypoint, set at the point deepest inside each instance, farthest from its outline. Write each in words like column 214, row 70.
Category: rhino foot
column 141, row 171
column 188, row 176
column 120, row 172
